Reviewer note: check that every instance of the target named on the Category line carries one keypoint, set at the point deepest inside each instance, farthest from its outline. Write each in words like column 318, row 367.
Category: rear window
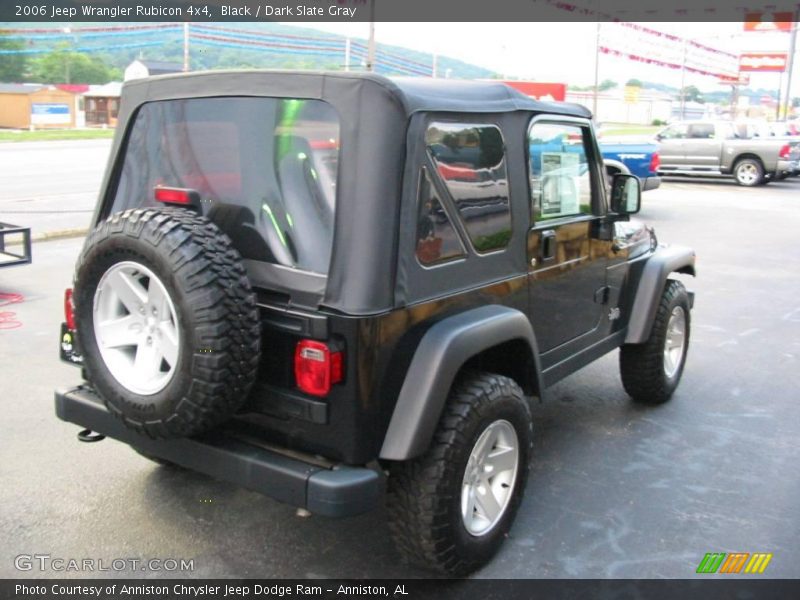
column 265, row 170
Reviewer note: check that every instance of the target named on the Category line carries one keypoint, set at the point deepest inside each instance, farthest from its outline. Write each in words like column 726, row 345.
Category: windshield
column 264, row 168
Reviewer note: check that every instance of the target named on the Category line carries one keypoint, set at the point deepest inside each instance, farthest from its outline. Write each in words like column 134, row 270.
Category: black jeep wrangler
column 320, row 285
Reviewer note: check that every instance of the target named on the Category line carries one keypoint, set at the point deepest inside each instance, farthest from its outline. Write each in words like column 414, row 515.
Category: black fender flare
column 441, row 353
column 665, row 260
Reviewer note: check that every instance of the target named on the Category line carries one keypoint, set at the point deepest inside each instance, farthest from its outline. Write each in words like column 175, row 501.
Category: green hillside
column 217, row 46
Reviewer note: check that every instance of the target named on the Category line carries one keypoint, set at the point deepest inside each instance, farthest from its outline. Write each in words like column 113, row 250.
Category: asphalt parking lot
column 616, row 490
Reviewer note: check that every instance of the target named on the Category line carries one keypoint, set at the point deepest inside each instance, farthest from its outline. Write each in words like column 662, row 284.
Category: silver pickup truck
column 713, row 148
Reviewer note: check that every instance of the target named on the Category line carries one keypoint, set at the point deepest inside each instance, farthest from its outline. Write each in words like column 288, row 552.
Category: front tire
column 451, row 508
column 651, row 371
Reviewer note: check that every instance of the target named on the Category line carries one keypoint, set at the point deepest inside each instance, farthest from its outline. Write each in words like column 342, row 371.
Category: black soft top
column 453, row 95
column 414, row 94
column 377, row 116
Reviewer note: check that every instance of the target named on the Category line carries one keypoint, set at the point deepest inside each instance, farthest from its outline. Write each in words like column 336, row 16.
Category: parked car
column 640, row 158
column 712, row 148
column 318, row 286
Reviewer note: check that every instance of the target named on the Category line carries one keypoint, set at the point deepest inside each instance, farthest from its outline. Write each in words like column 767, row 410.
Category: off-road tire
column 424, row 494
column 752, row 165
column 642, row 365
column 215, row 307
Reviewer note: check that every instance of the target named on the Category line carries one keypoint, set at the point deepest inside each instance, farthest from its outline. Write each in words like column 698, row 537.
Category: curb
column 59, row 234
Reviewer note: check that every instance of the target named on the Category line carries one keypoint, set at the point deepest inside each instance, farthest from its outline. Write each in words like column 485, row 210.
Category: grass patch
column 55, row 134
column 622, row 129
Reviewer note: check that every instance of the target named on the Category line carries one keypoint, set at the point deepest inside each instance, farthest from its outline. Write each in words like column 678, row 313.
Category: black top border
column 310, row 11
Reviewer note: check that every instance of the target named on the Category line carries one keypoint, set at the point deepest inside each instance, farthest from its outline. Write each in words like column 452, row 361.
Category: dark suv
column 320, row 285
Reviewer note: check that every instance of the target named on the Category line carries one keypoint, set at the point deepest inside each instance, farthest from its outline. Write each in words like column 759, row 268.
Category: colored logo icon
column 734, row 562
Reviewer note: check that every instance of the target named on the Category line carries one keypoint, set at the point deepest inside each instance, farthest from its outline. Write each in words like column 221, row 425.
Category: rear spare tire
column 167, row 321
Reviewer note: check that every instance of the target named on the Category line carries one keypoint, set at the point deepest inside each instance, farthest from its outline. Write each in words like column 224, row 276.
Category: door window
column 675, row 132
column 701, row 131
column 560, row 177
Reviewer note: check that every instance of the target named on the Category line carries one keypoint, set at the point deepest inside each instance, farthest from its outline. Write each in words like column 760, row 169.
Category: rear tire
column 749, row 172
column 651, row 371
column 440, row 511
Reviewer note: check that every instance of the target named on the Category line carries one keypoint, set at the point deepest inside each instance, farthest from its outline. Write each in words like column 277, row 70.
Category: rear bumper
column 650, row 183
column 339, row 491
column 787, row 166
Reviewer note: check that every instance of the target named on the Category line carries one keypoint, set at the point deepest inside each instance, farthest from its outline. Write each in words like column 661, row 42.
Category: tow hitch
column 89, row 436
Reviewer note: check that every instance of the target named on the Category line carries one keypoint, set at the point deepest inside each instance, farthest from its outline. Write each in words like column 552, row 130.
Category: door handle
column 549, row 244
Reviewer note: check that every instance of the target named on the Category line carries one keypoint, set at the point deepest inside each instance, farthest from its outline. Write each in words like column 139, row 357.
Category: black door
column 567, row 267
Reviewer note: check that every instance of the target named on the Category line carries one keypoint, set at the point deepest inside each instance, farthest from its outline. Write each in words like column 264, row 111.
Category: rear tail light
column 655, row 162
column 69, row 309
column 172, row 195
column 786, row 150
column 317, row 367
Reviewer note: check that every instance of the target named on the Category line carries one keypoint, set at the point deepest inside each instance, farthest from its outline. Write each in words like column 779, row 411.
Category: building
column 147, row 68
column 101, row 104
column 36, row 106
column 619, row 106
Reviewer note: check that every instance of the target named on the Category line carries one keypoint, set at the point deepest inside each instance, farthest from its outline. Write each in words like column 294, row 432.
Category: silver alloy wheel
column 136, row 328
column 489, row 478
column 675, row 344
column 747, row 173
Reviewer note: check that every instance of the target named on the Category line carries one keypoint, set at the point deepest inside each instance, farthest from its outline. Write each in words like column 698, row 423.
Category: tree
column 606, row 84
column 692, row 94
column 64, row 66
column 12, row 66
column 634, row 83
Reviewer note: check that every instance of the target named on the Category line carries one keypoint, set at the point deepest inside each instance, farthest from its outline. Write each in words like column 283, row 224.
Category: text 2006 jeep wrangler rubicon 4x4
column 320, row 285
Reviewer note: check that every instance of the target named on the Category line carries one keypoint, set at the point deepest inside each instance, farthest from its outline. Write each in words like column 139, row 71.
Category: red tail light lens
column 786, row 150
column 170, row 195
column 69, row 309
column 655, row 162
column 317, row 367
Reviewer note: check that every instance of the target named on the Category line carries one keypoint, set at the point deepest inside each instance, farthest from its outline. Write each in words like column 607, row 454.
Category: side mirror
column 626, row 194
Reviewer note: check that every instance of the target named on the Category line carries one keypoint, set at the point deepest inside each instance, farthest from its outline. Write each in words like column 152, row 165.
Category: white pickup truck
column 711, row 148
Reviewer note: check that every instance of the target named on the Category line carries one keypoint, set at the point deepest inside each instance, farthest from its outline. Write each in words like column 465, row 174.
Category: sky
column 564, row 52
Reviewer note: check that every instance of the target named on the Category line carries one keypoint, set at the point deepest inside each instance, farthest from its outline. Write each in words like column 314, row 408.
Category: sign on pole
column 763, row 61
column 766, row 21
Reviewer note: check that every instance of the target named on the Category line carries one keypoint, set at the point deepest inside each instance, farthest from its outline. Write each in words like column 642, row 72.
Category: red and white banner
column 643, row 44
column 763, row 61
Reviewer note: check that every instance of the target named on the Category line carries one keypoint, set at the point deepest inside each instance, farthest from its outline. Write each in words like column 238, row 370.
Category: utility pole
column 371, row 47
column 435, row 66
column 347, row 54
column 683, row 80
column 790, row 67
column 186, row 46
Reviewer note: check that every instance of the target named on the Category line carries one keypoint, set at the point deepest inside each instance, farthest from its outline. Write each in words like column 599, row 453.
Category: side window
column 702, row 131
column 471, row 161
column 560, row 177
column 437, row 239
column 676, row 132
